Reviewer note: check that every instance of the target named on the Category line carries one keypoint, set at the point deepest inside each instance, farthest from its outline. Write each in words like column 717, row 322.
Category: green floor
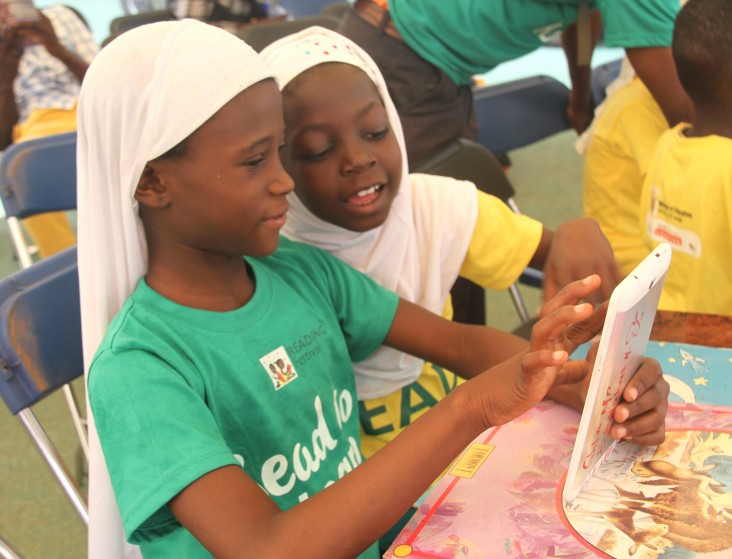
column 35, row 516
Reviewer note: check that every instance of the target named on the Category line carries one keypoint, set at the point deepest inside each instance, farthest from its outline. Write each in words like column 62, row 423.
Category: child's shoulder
column 143, row 301
column 294, row 259
column 439, row 202
column 444, row 194
column 295, row 253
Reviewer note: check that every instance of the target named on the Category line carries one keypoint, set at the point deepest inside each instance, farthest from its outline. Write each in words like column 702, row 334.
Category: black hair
column 702, row 49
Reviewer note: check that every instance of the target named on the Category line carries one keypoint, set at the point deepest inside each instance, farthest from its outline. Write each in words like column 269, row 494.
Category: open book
column 503, row 497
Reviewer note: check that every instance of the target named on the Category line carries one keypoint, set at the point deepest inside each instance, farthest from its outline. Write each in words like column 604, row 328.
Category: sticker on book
column 279, row 368
column 471, row 460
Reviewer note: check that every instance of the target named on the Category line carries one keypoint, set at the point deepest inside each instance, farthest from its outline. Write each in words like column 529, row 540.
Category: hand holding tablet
column 625, row 334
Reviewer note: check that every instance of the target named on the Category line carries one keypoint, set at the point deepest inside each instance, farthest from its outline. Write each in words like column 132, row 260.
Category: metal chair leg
column 22, row 249
column 7, row 551
column 23, row 252
column 518, row 302
column 55, row 462
column 79, row 422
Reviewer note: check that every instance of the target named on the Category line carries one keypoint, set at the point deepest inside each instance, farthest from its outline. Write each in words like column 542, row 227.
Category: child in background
column 43, row 58
column 412, row 233
column 179, row 176
column 616, row 162
column 687, row 195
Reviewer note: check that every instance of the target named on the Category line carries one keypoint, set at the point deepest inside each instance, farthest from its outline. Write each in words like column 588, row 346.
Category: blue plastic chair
column 39, row 176
column 520, row 112
column 335, row 9
column 601, row 77
column 467, row 160
column 303, row 8
column 265, row 32
column 40, row 349
column 130, row 21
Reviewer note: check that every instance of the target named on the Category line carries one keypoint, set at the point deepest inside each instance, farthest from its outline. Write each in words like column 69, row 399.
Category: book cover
column 503, row 497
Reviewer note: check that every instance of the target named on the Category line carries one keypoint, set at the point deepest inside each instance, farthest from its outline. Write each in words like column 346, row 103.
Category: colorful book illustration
column 503, row 497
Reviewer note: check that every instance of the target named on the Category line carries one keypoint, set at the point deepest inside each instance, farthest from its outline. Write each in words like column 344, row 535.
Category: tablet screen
column 621, row 350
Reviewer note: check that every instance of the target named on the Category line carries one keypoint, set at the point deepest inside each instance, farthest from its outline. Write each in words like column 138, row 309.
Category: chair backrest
column 40, row 330
column 262, row 33
column 125, row 23
column 304, row 8
column 601, row 77
column 518, row 113
column 467, row 160
column 336, row 9
column 38, row 176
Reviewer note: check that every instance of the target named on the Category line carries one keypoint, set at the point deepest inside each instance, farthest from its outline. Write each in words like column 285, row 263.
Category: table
column 502, row 499
column 702, row 329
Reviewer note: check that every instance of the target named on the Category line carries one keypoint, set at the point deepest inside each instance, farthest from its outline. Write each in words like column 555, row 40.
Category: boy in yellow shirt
column 687, row 194
column 616, row 161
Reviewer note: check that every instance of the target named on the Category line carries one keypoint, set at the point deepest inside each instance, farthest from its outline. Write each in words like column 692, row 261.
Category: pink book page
column 674, row 501
column 507, row 508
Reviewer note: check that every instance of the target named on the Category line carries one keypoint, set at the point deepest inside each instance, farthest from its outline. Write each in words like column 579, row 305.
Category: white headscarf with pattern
column 419, row 249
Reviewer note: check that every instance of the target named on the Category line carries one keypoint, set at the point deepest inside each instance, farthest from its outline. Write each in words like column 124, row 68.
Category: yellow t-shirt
column 45, row 122
column 501, row 247
column 687, row 202
column 616, row 161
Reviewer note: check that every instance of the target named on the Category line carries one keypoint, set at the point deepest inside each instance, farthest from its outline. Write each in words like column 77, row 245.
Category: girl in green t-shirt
column 180, row 126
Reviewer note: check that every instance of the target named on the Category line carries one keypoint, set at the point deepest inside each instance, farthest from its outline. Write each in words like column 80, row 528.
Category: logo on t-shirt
column 547, row 33
column 671, row 224
column 279, row 367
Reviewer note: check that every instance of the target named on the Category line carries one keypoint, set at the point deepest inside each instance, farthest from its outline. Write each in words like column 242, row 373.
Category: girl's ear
column 151, row 190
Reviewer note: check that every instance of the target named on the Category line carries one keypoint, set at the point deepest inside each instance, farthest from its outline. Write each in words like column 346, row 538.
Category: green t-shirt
column 468, row 37
column 177, row 392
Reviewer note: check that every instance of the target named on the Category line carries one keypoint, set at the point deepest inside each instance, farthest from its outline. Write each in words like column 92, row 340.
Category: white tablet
column 623, row 341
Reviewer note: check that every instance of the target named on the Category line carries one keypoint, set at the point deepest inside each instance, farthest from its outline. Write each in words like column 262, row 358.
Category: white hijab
column 419, row 249
column 145, row 92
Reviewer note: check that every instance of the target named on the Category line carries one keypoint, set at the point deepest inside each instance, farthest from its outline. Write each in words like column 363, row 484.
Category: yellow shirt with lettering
column 616, row 161
column 687, row 202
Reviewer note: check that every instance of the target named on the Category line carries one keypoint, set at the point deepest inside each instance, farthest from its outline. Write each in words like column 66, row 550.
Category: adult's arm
column 41, row 32
column 656, row 69
column 579, row 109
column 10, row 53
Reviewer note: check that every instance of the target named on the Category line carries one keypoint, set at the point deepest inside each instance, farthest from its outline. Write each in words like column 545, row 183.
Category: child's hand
column 578, row 249
column 522, row 382
column 641, row 415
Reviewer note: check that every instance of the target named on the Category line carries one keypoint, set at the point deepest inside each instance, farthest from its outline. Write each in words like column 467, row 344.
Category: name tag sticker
column 472, row 460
